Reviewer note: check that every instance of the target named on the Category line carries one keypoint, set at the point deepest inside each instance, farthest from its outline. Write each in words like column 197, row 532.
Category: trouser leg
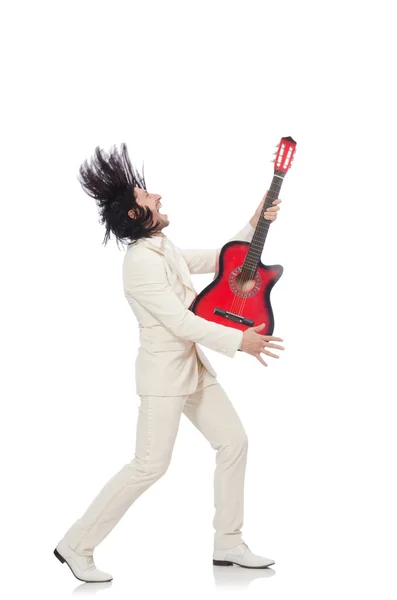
column 212, row 412
column 157, row 427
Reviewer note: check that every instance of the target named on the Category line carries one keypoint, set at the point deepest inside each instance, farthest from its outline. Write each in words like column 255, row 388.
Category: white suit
column 171, row 381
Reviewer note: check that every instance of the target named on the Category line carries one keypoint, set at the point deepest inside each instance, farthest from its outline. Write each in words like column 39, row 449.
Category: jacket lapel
column 180, row 267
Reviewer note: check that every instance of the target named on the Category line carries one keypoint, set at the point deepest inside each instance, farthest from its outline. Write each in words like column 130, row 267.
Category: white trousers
column 212, row 412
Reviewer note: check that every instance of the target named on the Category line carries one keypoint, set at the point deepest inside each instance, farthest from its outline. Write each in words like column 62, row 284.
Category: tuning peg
column 275, row 152
column 274, row 160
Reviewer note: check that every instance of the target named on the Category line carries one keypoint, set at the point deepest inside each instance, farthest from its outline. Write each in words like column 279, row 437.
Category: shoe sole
column 227, row 563
column 63, row 560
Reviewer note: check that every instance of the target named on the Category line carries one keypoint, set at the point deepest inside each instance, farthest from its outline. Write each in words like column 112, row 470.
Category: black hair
column 110, row 179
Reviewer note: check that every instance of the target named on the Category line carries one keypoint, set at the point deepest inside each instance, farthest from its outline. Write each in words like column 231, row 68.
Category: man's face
column 152, row 201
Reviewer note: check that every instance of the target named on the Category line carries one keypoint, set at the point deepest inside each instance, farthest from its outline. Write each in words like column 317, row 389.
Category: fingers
column 271, row 213
column 277, row 201
column 269, row 353
column 258, row 356
column 275, row 346
column 272, row 210
column 267, row 338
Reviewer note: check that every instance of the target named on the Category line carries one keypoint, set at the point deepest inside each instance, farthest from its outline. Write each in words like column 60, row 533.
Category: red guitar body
column 240, row 304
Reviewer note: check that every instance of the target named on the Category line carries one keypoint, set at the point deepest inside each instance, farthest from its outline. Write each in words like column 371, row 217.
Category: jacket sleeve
column 147, row 283
column 206, row 261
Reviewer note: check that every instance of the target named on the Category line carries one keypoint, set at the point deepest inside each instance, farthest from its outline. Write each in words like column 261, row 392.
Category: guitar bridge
column 233, row 317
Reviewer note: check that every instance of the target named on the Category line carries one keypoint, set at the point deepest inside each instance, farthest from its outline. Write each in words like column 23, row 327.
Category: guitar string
column 238, row 303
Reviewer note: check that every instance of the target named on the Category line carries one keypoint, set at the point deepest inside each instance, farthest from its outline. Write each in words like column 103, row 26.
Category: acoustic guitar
column 239, row 296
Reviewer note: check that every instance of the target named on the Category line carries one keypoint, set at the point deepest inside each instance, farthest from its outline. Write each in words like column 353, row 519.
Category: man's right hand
column 255, row 343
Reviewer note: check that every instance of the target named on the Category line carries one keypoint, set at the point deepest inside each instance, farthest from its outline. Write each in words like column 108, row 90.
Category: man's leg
column 212, row 412
column 157, row 427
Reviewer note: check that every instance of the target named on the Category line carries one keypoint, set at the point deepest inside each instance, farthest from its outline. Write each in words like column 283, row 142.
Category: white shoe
column 240, row 555
column 82, row 566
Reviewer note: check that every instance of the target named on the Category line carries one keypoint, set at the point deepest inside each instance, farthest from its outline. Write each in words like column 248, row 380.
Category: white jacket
column 159, row 289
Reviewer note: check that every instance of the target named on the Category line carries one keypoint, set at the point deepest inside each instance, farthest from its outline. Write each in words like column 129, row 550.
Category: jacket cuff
column 238, row 336
column 241, row 341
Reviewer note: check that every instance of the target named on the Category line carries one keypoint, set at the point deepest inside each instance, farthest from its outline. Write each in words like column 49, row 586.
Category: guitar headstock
column 284, row 155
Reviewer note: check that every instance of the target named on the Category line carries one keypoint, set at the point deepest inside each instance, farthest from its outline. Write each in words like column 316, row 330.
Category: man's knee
column 241, row 441
column 149, row 469
column 238, row 442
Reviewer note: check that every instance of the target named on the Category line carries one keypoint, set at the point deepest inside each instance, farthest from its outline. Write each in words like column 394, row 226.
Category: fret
column 250, row 263
column 255, row 242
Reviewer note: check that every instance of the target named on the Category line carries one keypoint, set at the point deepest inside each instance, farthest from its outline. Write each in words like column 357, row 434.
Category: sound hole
column 243, row 285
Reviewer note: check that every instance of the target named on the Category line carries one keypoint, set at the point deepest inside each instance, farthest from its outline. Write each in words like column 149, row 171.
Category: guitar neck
column 258, row 240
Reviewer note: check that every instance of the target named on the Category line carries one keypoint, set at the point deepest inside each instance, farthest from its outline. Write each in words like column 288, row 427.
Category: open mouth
column 158, row 208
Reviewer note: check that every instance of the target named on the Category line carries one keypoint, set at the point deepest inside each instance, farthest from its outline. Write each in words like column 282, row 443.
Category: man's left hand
column 269, row 215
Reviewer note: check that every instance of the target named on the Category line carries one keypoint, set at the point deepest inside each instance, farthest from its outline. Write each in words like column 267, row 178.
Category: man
column 173, row 376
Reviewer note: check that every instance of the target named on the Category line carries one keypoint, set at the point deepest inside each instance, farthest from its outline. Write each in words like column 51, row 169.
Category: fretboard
column 258, row 240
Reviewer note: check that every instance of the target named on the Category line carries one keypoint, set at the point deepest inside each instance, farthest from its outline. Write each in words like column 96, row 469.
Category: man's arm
column 146, row 282
column 206, row 261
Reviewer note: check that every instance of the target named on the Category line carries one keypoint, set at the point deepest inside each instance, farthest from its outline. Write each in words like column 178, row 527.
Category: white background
column 202, row 92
